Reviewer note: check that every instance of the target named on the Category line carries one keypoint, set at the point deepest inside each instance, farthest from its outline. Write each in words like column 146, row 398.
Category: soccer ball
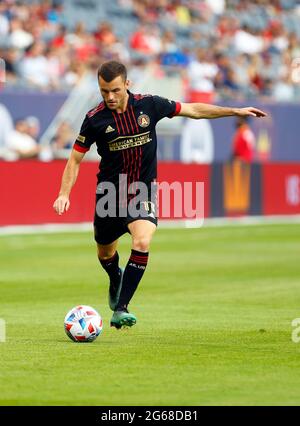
column 83, row 324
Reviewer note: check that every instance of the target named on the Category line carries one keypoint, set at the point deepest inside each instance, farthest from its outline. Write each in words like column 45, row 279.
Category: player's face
column 114, row 93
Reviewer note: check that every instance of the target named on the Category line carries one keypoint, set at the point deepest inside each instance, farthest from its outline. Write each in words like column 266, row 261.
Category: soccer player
column 123, row 128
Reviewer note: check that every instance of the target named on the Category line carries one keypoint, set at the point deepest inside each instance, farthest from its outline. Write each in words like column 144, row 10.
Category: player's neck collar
column 130, row 99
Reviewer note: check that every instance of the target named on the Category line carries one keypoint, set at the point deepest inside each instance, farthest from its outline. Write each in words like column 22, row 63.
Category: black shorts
column 111, row 227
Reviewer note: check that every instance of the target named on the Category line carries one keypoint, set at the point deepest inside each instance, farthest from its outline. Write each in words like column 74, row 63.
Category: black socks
column 133, row 273
column 111, row 266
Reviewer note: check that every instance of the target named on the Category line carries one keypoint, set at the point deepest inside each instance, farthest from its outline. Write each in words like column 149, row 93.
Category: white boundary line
column 49, row 228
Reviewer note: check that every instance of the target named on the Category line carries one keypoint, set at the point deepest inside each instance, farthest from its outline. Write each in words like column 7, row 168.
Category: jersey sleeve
column 85, row 138
column 165, row 107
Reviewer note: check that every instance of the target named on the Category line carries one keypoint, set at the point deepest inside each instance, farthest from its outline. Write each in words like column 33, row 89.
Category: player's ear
column 127, row 84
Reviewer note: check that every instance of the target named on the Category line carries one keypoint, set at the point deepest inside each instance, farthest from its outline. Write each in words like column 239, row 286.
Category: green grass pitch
column 214, row 316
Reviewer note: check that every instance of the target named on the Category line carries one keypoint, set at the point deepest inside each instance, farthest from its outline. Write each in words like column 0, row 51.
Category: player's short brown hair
column 111, row 70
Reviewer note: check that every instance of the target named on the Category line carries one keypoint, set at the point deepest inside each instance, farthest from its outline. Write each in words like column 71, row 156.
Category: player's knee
column 141, row 244
column 105, row 253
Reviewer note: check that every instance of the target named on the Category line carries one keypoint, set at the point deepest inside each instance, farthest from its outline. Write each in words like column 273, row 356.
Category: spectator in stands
column 279, row 41
column 33, row 127
column 6, row 126
column 146, row 41
column 105, row 34
column 202, row 72
column 217, row 6
column 233, row 27
column 34, row 67
column 4, row 21
column 59, row 39
column 242, row 74
column 10, row 56
column 226, row 80
column 283, row 90
column 243, row 147
column 77, row 70
column 20, row 143
column 246, row 41
column 294, row 46
column 19, row 38
column 172, row 57
column 64, row 137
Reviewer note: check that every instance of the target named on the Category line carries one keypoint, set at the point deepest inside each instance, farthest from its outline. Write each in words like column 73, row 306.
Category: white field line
column 211, row 222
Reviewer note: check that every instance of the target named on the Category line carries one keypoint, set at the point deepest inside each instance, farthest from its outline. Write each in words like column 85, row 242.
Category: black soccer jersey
column 126, row 141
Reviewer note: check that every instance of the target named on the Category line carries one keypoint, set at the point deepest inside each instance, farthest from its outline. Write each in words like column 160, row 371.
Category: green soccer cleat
column 114, row 292
column 122, row 319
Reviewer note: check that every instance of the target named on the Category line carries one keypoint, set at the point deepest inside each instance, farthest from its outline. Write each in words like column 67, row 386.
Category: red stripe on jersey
column 132, row 129
column 140, row 163
column 139, row 152
column 134, row 119
column 127, row 164
column 116, row 122
column 125, row 186
column 132, row 169
column 122, row 189
column 80, row 148
column 98, row 108
column 138, row 97
column 124, row 116
column 129, row 169
column 118, row 115
column 134, row 157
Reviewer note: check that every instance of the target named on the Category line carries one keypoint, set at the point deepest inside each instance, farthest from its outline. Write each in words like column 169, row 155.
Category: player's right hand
column 61, row 204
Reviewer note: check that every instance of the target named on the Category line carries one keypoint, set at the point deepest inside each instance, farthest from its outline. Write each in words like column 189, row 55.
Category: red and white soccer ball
column 83, row 324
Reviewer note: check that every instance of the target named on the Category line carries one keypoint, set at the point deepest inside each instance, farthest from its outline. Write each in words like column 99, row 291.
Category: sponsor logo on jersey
column 144, row 120
column 124, row 142
column 80, row 138
column 109, row 129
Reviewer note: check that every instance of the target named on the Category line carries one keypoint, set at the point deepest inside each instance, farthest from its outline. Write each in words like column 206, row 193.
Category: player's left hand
column 61, row 204
column 250, row 112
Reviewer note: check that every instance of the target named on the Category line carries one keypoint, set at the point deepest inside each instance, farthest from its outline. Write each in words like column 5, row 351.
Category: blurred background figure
column 197, row 142
column 202, row 72
column 243, row 147
column 6, row 126
column 20, row 144
column 63, row 139
column 33, row 127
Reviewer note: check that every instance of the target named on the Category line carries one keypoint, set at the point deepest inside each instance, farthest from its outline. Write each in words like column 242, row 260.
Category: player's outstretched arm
column 199, row 110
column 62, row 203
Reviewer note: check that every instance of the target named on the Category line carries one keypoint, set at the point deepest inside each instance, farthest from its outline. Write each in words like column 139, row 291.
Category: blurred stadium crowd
column 235, row 48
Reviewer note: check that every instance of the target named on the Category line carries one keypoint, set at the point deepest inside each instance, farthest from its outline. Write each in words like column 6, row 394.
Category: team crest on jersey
column 144, row 120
